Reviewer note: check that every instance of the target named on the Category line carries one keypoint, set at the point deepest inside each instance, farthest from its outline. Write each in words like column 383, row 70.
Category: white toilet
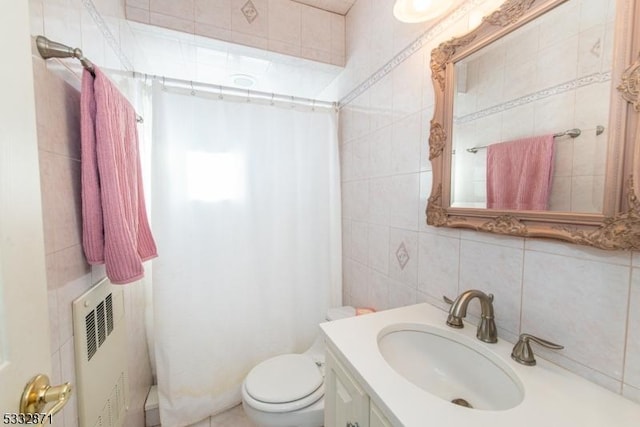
column 288, row 390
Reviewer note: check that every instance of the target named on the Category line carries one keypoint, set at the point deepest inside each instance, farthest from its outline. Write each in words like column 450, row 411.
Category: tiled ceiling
column 336, row 6
column 187, row 57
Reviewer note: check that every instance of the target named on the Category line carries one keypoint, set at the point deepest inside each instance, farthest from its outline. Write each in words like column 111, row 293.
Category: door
column 24, row 319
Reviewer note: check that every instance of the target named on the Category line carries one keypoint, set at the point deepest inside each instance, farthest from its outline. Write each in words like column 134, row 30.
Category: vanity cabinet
column 346, row 402
column 376, row 418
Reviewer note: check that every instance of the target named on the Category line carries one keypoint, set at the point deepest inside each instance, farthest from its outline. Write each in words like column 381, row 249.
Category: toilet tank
column 316, row 351
column 338, row 313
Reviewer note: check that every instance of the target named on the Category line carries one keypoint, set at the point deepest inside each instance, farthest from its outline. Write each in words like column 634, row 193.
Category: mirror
column 535, row 124
column 549, row 76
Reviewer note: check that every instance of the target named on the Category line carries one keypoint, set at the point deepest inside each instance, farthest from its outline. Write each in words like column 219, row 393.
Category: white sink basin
column 412, row 365
column 450, row 366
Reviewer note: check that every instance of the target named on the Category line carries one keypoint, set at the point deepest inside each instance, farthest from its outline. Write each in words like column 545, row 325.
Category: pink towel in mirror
column 519, row 174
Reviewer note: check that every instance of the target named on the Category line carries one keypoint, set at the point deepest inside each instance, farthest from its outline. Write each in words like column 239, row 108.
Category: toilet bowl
column 288, row 390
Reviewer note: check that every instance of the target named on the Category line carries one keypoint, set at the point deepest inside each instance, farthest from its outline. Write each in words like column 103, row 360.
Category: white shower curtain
column 246, row 217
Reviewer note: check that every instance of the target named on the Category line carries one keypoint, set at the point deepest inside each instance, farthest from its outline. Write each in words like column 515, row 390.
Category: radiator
column 100, row 338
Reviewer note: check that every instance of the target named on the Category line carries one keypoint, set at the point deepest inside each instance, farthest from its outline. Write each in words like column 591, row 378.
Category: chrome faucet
column 487, row 328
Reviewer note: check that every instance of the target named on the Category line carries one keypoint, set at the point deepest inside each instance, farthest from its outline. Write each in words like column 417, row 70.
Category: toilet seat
column 283, row 384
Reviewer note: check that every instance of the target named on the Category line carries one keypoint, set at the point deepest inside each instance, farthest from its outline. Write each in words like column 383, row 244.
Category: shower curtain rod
column 249, row 94
column 49, row 49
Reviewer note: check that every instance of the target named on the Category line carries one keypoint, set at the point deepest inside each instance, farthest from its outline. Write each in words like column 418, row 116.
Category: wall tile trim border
column 533, row 97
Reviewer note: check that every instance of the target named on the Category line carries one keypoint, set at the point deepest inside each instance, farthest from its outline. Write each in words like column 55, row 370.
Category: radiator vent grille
column 92, row 345
column 109, row 302
column 102, row 316
column 101, row 356
column 102, row 330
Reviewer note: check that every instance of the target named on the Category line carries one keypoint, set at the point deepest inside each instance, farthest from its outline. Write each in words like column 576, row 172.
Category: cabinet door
column 376, row 418
column 346, row 403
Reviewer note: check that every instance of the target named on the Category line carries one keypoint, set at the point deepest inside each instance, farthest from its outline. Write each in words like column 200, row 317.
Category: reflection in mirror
column 526, row 90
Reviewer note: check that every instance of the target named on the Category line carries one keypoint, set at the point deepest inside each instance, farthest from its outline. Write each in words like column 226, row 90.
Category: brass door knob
column 38, row 392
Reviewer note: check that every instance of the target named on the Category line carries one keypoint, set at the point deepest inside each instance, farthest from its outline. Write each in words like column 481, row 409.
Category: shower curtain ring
column 292, row 102
column 313, row 105
column 193, row 92
column 220, row 92
column 164, row 87
column 272, row 95
column 248, row 99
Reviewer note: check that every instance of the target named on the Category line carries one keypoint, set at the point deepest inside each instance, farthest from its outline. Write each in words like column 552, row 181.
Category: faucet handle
column 522, row 352
column 450, row 301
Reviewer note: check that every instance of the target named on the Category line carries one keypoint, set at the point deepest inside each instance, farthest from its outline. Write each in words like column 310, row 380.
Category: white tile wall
column 584, row 298
column 378, row 258
column 58, row 117
column 581, row 288
column 282, row 26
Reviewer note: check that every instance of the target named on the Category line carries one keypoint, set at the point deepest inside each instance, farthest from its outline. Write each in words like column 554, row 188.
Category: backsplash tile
column 579, row 304
column 438, row 265
column 497, row 271
column 578, row 251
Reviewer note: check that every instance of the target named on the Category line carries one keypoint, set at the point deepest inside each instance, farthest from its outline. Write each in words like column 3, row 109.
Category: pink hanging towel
column 115, row 228
column 519, row 174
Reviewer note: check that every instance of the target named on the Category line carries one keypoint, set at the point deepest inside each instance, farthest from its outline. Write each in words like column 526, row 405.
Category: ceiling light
column 243, row 80
column 412, row 11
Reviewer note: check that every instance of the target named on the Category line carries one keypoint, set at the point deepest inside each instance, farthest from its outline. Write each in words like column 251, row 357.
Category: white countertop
column 553, row 396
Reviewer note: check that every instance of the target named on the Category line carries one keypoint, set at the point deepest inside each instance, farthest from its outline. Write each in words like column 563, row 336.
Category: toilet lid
column 283, row 379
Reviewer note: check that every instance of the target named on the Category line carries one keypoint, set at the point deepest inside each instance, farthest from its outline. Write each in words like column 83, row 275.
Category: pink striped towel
column 519, row 174
column 115, row 229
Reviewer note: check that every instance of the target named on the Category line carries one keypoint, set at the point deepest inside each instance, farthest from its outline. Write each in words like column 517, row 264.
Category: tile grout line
column 522, row 286
column 626, row 330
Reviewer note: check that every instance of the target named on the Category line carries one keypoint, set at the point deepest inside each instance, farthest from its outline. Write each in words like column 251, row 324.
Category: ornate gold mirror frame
column 618, row 227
